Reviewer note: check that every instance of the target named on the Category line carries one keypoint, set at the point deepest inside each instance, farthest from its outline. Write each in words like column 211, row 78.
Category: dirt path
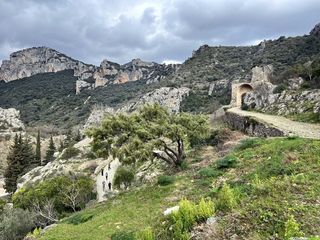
column 291, row 128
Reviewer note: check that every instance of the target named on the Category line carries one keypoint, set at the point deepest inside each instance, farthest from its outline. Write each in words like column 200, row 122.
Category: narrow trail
column 291, row 128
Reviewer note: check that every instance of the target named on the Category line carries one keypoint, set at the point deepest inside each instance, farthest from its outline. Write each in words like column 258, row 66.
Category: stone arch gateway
column 238, row 90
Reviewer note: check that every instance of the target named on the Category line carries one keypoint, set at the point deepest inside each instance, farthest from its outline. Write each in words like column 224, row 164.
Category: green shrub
column 122, row 235
column 209, row 172
column 123, row 176
column 164, row 180
column 79, row 218
column 247, row 143
column 184, row 219
column 35, row 234
column 15, row 223
column 188, row 214
column 292, row 229
column 226, row 162
column 59, row 190
column 2, row 205
column 226, row 199
column 70, row 152
column 146, row 234
column 279, row 89
column 205, row 209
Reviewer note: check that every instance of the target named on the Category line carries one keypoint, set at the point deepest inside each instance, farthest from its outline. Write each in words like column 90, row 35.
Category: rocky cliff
column 170, row 98
column 31, row 61
column 113, row 73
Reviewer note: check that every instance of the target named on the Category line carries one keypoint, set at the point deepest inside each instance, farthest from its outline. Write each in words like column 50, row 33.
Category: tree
column 78, row 137
column 20, row 159
column 38, row 149
column 148, row 133
column 50, row 152
column 123, row 176
column 13, row 169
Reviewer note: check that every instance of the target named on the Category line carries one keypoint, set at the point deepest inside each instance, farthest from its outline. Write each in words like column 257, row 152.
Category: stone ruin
column 260, row 80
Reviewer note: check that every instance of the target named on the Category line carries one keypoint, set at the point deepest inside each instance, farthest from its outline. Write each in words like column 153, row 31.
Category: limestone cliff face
column 170, row 98
column 31, row 61
column 10, row 121
column 113, row 73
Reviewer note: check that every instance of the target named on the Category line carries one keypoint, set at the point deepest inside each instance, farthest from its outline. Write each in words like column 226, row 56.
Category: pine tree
column 50, row 152
column 29, row 159
column 78, row 136
column 38, row 149
column 12, row 171
column 61, row 147
column 69, row 139
column 20, row 159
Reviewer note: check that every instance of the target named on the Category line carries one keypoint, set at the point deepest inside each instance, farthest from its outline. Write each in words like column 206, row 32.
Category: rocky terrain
column 165, row 96
column 31, row 61
column 66, row 98
column 37, row 60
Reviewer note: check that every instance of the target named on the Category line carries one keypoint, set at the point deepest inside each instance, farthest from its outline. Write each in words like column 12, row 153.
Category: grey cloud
column 158, row 30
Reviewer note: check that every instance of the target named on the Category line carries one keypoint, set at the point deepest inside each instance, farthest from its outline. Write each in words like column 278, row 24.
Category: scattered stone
column 211, row 220
column 168, row 211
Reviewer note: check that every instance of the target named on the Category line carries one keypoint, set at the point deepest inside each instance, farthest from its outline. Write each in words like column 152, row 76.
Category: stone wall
column 251, row 126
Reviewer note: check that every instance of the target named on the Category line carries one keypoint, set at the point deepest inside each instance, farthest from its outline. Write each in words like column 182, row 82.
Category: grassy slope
column 273, row 179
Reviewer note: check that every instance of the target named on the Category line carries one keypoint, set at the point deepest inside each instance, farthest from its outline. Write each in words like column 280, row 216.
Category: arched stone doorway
column 241, row 90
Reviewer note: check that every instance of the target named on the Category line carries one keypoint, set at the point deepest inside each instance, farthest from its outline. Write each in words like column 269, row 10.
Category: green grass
column 129, row 211
column 306, row 117
column 273, row 180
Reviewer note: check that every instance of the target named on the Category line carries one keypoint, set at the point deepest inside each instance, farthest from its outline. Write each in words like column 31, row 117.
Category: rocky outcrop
column 170, row 98
column 31, row 61
column 165, row 96
column 316, row 30
column 36, row 60
column 262, row 74
column 285, row 103
column 113, row 73
column 218, row 86
column 10, row 121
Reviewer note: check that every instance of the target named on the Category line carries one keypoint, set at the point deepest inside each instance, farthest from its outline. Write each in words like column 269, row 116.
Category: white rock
column 168, row 211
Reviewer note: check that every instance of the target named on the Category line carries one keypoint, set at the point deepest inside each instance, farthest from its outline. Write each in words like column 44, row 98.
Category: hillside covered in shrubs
column 263, row 189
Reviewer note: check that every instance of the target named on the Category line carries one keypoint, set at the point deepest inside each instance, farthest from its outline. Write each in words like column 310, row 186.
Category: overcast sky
column 154, row 30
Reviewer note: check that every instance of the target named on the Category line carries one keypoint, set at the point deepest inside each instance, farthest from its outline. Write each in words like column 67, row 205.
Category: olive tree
column 148, row 133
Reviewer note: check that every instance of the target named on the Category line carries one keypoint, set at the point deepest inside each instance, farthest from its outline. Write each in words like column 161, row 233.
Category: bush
column 292, row 229
column 205, row 209
column 123, row 176
column 164, row 180
column 122, row 235
column 2, row 205
column 70, row 152
column 226, row 162
column 247, row 143
column 79, row 218
column 279, row 89
column 209, row 172
column 146, row 234
column 15, row 223
column 56, row 193
column 188, row 214
column 226, row 199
